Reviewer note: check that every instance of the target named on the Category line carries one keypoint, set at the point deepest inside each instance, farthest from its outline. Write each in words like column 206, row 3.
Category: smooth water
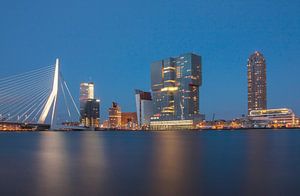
column 252, row 162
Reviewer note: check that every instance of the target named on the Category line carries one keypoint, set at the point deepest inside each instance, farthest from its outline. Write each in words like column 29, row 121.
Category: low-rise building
column 129, row 120
column 281, row 117
column 157, row 124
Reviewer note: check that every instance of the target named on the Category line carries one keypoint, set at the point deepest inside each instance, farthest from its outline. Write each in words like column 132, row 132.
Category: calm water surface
column 253, row 162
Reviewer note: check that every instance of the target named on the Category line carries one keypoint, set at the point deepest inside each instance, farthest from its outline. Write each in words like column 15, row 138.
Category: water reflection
column 268, row 164
column 256, row 173
column 150, row 163
column 174, row 155
column 92, row 164
column 67, row 162
column 53, row 176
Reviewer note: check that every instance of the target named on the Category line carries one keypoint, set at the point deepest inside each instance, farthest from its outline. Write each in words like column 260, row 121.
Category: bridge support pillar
column 51, row 99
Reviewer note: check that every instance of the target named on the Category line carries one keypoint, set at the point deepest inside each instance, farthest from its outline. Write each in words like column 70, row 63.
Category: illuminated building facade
column 144, row 108
column 114, row 116
column 257, row 87
column 172, row 124
column 274, row 117
column 105, row 124
column 175, row 86
column 86, row 91
column 89, row 106
column 129, row 120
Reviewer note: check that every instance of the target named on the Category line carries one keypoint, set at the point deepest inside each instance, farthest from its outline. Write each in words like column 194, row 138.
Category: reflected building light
column 53, row 165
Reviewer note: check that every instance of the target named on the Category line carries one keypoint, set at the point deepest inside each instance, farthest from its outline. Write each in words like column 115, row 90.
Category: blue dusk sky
column 113, row 43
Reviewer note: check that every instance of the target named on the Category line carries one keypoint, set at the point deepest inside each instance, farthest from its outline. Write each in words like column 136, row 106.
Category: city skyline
column 152, row 97
column 224, row 43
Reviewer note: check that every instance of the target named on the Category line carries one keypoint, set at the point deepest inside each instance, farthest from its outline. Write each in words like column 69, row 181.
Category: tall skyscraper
column 89, row 106
column 144, row 109
column 175, row 86
column 257, row 85
column 114, row 116
column 86, row 90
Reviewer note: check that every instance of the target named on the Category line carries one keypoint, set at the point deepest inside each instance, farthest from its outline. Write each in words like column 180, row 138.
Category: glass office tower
column 175, row 84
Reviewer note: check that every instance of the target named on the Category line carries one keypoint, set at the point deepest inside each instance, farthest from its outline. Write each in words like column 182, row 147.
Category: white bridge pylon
column 38, row 96
column 52, row 98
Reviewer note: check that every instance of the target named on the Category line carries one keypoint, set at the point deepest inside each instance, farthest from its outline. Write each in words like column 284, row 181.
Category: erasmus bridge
column 40, row 97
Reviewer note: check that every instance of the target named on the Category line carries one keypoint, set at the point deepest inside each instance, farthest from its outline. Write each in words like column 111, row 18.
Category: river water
column 252, row 162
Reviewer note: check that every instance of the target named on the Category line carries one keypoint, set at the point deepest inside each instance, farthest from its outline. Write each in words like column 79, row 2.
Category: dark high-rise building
column 89, row 106
column 175, row 86
column 90, row 113
column 257, row 86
